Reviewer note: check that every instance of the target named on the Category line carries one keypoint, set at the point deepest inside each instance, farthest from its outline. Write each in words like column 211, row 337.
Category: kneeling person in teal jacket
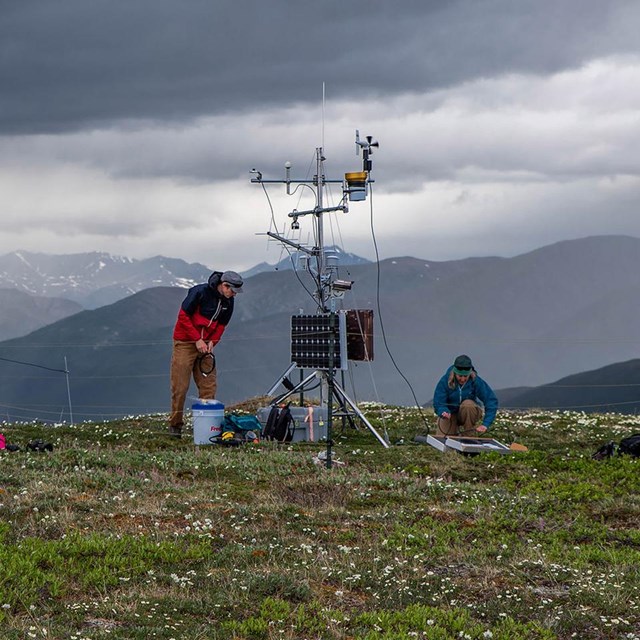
column 462, row 399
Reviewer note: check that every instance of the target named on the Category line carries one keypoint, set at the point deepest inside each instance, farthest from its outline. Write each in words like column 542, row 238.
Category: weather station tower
column 325, row 341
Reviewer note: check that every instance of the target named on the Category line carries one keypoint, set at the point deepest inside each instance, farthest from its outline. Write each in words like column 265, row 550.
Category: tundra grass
column 122, row 532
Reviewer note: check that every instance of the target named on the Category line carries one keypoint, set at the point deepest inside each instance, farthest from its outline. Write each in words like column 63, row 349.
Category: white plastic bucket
column 207, row 420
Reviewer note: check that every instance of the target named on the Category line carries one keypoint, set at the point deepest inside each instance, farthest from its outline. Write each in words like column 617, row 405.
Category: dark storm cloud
column 74, row 64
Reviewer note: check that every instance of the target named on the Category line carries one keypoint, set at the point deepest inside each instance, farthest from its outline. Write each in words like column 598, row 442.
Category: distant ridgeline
column 94, row 279
column 292, row 261
column 558, row 316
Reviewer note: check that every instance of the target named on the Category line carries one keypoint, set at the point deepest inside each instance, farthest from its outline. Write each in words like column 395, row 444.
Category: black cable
column 289, row 252
column 297, row 275
column 266, row 193
column 384, row 336
column 207, row 369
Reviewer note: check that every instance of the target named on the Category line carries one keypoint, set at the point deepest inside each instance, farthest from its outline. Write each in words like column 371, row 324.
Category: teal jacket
column 446, row 398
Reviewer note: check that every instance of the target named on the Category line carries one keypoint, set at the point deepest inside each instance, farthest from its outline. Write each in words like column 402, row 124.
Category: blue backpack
column 241, row 424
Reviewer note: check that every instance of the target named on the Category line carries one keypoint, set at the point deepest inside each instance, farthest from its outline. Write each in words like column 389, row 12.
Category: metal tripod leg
column 345, row 413
column 281, row 379
column 345, row 400
column 295, row 389
column 341, row 392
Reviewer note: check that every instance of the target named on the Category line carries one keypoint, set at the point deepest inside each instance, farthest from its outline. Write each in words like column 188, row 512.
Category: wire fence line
column 45, row 413
column 114, row 410
column 32, row 364
column 400, row 338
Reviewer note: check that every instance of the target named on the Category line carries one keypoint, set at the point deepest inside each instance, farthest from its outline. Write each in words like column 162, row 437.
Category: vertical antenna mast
column 320, row 256
column 323, row 105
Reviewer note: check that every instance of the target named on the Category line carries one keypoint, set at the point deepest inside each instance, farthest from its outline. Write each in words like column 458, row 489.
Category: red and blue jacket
column 204, row 313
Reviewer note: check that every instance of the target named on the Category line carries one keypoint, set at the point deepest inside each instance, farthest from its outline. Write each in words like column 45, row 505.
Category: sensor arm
column 295, row 245
column 316, row 211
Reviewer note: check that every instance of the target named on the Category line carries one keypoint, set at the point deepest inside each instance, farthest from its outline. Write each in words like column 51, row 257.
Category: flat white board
column 475, row 445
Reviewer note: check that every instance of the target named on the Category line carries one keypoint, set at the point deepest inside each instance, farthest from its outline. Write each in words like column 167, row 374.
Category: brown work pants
column 184, row 364
column 462, row 423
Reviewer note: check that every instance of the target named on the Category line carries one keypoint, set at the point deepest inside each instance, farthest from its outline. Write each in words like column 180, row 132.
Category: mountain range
column 542, row 316
column 615, row 387
column 23, row 313
column 95, row 279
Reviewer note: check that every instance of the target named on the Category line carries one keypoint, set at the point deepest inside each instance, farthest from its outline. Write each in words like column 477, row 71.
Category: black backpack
column 630, row 445
column 279, row 425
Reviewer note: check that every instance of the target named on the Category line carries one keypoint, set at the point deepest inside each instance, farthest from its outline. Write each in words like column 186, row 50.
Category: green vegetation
column 124, row 533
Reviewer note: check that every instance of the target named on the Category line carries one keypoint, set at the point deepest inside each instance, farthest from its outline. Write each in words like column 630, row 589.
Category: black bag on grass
column 605, row 451
column 630, row 446
column 279, row 424
column 39, row 445
column 627, row 446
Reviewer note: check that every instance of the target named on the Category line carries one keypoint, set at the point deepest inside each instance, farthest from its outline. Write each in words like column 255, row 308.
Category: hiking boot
column 175, row 432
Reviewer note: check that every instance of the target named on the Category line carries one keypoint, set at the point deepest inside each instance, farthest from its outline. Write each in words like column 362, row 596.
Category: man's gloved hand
column 481, row 429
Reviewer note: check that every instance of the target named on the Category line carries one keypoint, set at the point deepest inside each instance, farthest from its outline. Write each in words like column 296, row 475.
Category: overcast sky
column 131, row 126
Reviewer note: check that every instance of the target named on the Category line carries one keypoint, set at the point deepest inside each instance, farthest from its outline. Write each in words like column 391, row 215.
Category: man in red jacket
column 202, row 319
